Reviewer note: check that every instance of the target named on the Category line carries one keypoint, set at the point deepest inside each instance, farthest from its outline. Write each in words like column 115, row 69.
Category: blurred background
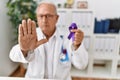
column 12, row 11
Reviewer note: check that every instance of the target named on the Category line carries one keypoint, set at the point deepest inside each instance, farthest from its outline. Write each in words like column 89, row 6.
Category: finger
column 79, row 36
column 75, row 30
column 33, row 27
column 24, row 25
column 76, row 43
column 20, row 30
column 41, row 42
column 78, row 40
column 29, row 25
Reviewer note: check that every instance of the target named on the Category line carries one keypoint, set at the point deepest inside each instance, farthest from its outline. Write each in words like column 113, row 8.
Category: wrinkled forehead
column 46, row 8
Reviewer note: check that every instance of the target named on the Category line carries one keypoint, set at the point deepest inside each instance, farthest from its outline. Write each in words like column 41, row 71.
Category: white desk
column 18, row 78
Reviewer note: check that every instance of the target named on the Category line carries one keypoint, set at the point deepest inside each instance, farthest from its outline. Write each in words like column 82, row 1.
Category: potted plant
column 19, row 10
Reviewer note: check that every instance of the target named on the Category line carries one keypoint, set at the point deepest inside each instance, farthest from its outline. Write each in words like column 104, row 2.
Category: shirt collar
column 55, row 35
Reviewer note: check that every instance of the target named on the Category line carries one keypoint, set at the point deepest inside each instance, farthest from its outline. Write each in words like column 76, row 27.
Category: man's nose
column 44, row 19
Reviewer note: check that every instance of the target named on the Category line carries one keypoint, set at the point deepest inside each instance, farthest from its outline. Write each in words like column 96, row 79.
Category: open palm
column 27, row 36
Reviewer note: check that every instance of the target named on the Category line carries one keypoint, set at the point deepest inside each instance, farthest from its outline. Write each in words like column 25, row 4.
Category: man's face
column 47, row 18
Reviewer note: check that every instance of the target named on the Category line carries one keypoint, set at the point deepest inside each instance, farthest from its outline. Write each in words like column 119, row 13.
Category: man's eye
column 48, row 16
column 41, row 16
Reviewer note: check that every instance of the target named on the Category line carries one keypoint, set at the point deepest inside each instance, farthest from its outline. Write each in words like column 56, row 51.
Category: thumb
column 42, row 41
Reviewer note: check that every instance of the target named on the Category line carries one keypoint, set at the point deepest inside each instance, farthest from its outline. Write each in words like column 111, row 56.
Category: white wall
column 102, row 8
column 6, row 66
column 105, row 8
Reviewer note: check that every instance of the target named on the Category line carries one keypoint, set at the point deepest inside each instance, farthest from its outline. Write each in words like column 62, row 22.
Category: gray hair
column 47, row 2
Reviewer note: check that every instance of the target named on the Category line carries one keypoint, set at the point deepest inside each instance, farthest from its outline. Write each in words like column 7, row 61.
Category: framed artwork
column 82, row 4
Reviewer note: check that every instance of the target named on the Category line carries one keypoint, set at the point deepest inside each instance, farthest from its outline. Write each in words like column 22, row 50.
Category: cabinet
column 103, row 49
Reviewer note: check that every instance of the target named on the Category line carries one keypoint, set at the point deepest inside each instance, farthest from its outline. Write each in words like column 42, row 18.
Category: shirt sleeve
column 16, row 55
column 79, row 57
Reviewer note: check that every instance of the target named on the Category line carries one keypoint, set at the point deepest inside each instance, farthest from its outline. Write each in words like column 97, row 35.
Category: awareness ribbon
column 71, row 35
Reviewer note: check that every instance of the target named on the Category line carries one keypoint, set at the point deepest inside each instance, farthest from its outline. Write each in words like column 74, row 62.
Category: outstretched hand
column 27, row 36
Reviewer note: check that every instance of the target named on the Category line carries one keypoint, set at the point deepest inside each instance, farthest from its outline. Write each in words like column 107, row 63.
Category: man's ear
column 57, row 18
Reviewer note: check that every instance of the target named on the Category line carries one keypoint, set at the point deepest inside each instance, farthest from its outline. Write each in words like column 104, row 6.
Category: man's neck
column 48, row 35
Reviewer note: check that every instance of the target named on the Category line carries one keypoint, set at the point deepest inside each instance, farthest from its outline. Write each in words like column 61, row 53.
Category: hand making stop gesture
column 27, row 37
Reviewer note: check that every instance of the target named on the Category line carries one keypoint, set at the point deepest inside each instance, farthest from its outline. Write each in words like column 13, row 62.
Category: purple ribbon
column 71, row 35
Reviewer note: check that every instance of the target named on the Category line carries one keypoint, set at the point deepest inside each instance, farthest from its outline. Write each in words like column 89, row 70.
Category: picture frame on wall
column 82, row 5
